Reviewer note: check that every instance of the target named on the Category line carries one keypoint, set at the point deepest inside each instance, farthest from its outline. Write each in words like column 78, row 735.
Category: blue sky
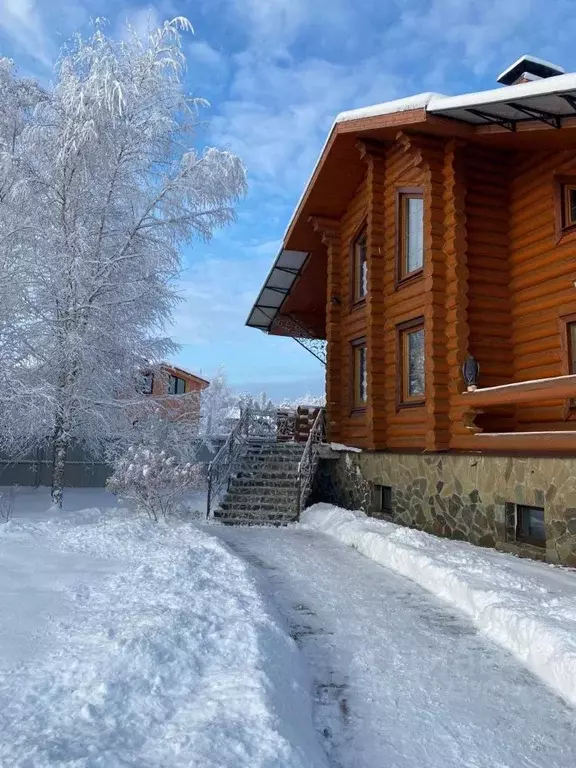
column 276, row 72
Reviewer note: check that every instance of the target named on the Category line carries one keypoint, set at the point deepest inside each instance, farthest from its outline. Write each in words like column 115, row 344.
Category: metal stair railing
column 223, row 464
column 309, row 461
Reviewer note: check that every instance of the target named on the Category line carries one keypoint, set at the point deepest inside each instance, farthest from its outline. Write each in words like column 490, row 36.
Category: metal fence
column 83, row 470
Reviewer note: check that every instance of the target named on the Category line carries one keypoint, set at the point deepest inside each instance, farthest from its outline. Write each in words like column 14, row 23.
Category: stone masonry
column 466, row 497
column 264, row 488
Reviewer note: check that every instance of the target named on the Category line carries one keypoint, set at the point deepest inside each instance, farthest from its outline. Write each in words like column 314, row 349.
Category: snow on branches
column 156, row 483
column 99, row 187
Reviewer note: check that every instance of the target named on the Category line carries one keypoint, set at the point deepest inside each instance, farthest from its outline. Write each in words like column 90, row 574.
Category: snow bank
column 124, row 643
column 526, row 607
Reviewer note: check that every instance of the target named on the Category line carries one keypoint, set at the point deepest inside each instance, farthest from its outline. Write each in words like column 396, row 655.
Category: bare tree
column 112, row 190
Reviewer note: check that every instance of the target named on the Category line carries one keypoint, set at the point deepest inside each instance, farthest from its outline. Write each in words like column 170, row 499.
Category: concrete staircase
column 264, row 488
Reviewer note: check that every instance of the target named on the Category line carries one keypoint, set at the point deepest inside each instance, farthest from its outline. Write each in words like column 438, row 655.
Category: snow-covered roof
column 527, row 61
column 178, row 369
column 389, row 107
column 545, row 94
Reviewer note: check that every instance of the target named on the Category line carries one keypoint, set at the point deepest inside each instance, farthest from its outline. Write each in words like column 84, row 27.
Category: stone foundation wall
column 469, row 498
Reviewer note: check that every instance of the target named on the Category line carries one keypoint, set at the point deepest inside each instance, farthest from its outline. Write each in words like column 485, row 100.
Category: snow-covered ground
column 401, row 680
column 129, row 643
column 528, row 608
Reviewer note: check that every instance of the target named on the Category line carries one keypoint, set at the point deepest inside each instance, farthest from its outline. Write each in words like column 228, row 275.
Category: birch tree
column 217, row 405
column 113, row 188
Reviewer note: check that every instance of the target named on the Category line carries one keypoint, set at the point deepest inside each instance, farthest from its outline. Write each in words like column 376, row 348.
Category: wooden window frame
column 402, row 277
column 176, row 379
column 403, row 400
column 565, row 321
column 522, row 538
column 355, row 299
column 358, row 406
column 564, row 225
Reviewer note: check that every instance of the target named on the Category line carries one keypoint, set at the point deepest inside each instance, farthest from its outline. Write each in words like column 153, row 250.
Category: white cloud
column 21, row 21
column 278, row 116
column 203, row 53
column 218, row 294
column 274, row 25
column 142, row 20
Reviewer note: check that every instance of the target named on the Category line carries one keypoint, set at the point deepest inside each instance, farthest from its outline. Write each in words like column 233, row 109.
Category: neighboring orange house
column 177, row 391
column 438, row 234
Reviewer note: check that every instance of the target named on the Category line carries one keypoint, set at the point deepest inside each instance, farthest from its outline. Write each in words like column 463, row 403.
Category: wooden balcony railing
column 537, row 390
column 477, row 402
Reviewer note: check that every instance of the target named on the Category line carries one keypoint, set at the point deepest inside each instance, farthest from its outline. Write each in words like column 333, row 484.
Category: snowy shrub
column 153, row 481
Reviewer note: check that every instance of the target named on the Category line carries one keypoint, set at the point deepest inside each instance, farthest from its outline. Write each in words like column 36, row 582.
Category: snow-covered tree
column 316, row 401
column 108, row 189
column 217, row 406
column 18, row 98
column 260, row 403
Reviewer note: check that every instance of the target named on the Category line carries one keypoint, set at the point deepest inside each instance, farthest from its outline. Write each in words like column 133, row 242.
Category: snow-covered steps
column 264, row 489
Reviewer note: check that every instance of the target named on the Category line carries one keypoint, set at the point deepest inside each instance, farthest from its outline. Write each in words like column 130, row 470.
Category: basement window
column 530, row 525
column 381, row 504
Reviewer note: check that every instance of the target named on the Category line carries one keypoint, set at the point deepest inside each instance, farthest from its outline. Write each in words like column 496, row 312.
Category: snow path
column 401, row 681
column 128, row 643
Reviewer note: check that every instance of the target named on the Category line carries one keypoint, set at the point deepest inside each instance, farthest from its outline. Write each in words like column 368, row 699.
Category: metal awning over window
column 281, row 278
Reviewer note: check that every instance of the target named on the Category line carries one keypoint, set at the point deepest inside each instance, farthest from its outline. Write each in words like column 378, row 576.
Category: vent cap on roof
column 528, row 68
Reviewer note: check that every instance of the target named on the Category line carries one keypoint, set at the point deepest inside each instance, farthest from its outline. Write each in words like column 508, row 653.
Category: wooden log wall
column 354, row 323
column 487, row 176
column 331, row 240
column 542, row 272
column 378, row 357
column 494, row 284
column 406, row 427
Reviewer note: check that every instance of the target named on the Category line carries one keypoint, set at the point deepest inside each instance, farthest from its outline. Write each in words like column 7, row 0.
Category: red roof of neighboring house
column 187, row 374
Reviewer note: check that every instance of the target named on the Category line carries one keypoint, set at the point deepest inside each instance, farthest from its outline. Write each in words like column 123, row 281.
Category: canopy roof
column 515, row 116
column 553, row 97
column 285, row 271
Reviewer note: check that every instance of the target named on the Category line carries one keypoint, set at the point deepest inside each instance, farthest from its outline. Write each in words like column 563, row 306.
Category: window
column 411, row 364
column 410, row 224
column 381, row 505
column 530, row 526
column 568, row 205
column 567, row 328
column 360, row 374
column 360, row 267
column 571, row 331
column 565, row 204
column 147, row 383
column 176, row 385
